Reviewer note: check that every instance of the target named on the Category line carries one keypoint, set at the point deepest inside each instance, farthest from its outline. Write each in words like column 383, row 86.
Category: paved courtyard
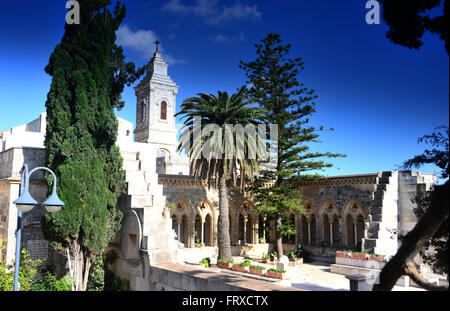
column 316, row 276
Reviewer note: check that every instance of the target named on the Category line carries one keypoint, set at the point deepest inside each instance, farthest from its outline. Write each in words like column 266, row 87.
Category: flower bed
column 239, row 268
column 362, row 256
column 225, row 264
column 276, row 274
column 378, row 258
column 258, row 270
column 345, row 254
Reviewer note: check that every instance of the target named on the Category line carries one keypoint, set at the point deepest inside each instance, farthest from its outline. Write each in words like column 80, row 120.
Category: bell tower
column 155, row 107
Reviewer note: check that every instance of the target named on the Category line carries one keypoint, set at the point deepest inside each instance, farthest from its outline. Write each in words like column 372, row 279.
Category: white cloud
column 220, row 38
column 212, row 14
column 142, row 42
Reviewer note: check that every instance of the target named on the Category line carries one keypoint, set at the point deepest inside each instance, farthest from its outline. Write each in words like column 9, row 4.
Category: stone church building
column 167, row 214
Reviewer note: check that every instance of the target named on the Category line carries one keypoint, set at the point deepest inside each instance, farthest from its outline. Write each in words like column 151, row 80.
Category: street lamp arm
column 41, row 168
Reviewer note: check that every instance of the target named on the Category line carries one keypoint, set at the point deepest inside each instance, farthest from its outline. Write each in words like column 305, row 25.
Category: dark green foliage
column 409, row 20
column 435, row 250
column 289, row 104
column 115, row 283
column 96, row 281
column 88, row 76
column 50, row 282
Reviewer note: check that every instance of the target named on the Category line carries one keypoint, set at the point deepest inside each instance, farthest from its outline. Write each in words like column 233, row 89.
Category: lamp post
column 25, row 203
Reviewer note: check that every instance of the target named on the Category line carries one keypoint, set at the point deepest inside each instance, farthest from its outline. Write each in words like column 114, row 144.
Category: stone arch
column 183, row 213
column 204, row 210
column 330, row 222
column 163, row 152
column 131, row 235
column 354, row 226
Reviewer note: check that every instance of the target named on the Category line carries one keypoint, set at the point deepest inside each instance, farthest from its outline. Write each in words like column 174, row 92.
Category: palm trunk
column 223, row 233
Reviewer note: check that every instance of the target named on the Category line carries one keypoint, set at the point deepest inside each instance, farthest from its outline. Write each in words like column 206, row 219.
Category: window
column 163, row 110
column 142, row 111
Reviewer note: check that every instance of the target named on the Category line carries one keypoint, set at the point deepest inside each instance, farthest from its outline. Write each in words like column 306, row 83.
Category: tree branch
column 411, row 271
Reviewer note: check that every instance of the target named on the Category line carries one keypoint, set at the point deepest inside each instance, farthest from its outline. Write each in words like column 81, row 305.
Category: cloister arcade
column 322, row 225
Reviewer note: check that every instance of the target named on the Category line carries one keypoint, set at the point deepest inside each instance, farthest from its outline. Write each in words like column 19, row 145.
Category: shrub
column 277, row 270
column 258, row 267
column 221, row 260
column 206, row 262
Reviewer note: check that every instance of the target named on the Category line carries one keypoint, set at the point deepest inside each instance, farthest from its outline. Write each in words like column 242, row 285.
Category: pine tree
column 88, row 76
column 275, row 88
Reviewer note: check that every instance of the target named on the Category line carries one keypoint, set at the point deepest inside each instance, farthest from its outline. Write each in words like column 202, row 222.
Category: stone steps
column 131, row 165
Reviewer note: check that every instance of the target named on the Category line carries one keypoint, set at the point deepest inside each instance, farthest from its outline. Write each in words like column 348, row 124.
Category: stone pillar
column 355, row 234
column 256, row 231
column 331, row 234
column 245, row 229
column 264, row 227
column 360, row 282
column 178, row 232
column 309, row 233
column 203, row 232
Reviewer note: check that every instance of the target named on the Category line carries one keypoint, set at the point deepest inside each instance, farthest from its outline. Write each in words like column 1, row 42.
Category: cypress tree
column 88, row 76
column 289, row 104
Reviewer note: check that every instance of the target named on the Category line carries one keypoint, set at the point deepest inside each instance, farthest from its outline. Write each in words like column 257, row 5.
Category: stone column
column 309, row 233
column 331, row 234
column 203, row 231
column 245, row 229
column 355, row 232
column 178, row 232
column 264, row 227
column 256, row 230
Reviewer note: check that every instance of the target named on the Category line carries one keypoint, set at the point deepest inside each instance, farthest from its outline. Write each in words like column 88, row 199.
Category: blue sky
column 379, row 97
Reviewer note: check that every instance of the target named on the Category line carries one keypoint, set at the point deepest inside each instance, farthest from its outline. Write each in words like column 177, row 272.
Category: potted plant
column 293, row 260
column 360, row 255
column 205, row 262
column 198, row 243
column 273, row 256
column 265, row 257
column 377, row 257
column 241, row 267
column 262, row 240
column 225, row 264
column 345, row 254
column 276, row 274
column 258, row 270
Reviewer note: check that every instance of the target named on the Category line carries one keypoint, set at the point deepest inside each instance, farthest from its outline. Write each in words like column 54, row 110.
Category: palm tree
column 219, row 157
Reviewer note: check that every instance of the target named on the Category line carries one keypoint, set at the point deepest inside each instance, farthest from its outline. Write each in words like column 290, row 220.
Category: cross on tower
column 157, row 45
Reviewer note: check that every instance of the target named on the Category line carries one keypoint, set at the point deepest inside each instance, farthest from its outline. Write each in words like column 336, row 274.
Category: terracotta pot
column 256, row 271
column 343, row 254
column 276, row 275
column 360, row 256
column 378, row 258
column 239, row 268
column 224, row 265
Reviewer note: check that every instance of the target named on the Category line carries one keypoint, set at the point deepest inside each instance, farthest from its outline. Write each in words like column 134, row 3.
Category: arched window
column 142, row 111
column 163, row 110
